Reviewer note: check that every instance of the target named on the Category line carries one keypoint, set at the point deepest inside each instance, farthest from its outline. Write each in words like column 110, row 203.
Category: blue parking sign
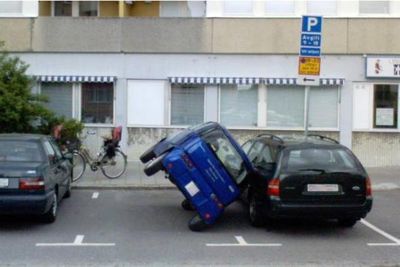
column 311, row 24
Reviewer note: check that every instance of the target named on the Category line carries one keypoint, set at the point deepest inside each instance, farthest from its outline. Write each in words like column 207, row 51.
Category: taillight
column 31, row 183
column 187, row 161
column 368, row 188
column 273, row 187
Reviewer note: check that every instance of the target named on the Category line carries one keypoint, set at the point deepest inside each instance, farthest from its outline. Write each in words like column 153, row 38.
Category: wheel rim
column 114, row 167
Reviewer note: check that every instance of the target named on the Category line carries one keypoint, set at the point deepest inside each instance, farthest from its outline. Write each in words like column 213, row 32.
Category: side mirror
column 52, row 159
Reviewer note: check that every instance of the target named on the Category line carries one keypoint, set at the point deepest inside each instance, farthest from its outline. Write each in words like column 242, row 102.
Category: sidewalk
column 383, row 178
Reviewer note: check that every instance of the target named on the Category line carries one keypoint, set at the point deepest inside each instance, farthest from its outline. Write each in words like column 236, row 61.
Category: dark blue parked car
column 34, row 176
column 206, row 164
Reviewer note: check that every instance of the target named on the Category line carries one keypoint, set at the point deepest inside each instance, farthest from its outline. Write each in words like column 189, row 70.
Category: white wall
column 19, row 8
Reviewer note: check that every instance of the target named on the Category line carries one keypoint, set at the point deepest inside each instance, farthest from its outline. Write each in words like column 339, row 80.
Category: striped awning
column 249, row 80
column 73, row 79
column 215, row 80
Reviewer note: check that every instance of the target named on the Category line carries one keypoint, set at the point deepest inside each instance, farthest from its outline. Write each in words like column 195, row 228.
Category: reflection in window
column 318, row 7
column 97, row 102
column 187, row 104
column 374, row 7
column 285, row 107
column 279, row 7
column 62, row 8
column 385, row 106
column 88, row 8
column 239, row 105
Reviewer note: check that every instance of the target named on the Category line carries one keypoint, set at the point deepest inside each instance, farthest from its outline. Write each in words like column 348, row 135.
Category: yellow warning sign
column 309, row 65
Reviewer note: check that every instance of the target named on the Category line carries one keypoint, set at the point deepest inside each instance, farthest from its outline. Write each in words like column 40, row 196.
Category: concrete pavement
column 383, row 178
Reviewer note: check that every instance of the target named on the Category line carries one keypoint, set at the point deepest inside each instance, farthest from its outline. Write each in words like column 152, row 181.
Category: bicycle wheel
column 113, row 167
column 78, row 165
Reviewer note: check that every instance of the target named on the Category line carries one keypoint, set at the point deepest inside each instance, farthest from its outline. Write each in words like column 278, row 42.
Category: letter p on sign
column 312, row 24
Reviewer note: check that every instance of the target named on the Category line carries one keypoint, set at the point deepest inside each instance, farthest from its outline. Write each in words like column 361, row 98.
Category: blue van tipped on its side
column 206, row 164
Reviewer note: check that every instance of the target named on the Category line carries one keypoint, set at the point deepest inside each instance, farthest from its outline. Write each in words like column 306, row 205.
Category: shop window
column 279, row 7
column 238, row 106
column 97, row 102
column 10, row 7
column 88, row 8
column 59, row 96
column 385, row 106
column 374, row 7
column 62, row 8
column 285, row 107
column 187, row 104
column 323, row 109
column 238, row 7
column 318, row 7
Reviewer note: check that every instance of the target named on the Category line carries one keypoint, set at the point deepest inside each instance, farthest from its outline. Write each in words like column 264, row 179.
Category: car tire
column 51, row 215
column 69, row 188
column 347, row 222
column 256, row 216
column 154, row 166
column 196, row 224
column 147, row 155
column 186, row 205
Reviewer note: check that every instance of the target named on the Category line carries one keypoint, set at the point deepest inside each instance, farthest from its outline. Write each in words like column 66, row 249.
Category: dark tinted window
column 328, row 159
column 20, row 151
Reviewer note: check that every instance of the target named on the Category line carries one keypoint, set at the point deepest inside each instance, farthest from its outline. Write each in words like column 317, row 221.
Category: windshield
column 226, row 153
column 323, row 159
column 20, row 151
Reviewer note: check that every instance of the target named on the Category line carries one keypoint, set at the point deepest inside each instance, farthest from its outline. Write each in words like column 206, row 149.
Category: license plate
column 3, row 182
column 323, row 188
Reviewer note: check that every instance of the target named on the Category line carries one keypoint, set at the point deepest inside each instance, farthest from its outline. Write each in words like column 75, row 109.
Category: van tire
column 196, row 224
column 154, row 166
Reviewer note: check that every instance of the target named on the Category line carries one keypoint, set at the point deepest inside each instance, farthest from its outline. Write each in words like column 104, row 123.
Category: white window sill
column 377, row 130
column 98, row 125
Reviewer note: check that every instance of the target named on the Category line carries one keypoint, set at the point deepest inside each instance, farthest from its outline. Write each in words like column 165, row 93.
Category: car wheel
column 154, row 166
column 347, row 222
column 148, row 155
column 69, row 188
column 196, row 224
column 255, row 215
column 186, row 205
column 51, row 215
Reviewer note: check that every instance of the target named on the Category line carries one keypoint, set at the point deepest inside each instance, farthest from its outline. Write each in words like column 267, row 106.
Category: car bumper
column 278, row 209
column 25, row 204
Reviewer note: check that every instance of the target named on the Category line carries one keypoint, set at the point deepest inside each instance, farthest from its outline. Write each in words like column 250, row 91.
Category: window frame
column 74, row 9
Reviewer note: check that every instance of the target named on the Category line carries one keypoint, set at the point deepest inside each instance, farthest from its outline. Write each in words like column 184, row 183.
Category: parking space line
column 383, row 233
column 243, row 243
column 78, row 242
column 95, row 195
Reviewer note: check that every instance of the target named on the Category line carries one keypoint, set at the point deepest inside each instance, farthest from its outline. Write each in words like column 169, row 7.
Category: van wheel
column 147, row 155
column 347, row 222
column 196, row 224
column 255, row 214
column 186, row 205
column 154, row 166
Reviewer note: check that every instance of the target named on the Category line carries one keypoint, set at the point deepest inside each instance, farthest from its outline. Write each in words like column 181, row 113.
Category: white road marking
column 78, row 242
column 243, row 243
column 381, row 232
column 95, row 195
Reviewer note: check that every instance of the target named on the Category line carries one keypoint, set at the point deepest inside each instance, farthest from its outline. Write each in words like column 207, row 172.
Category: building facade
column 157, row 67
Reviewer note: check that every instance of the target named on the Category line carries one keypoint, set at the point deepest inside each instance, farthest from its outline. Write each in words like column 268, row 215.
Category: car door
column 64, row 167
column 54, row 173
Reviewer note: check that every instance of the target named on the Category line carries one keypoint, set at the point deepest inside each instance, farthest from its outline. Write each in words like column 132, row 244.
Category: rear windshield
column 20, row 151
column 327, row 159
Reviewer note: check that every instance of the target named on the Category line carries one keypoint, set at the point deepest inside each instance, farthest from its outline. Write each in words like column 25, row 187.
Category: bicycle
column 110, row 159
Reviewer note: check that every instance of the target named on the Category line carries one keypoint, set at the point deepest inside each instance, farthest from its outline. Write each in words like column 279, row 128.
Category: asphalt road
column 148, row 227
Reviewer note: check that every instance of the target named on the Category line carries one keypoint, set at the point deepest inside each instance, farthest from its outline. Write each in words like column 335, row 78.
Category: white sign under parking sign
column 383, row 67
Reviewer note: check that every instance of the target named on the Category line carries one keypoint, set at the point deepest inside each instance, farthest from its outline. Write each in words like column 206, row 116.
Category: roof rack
column 271, row 136
column 323, row 138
